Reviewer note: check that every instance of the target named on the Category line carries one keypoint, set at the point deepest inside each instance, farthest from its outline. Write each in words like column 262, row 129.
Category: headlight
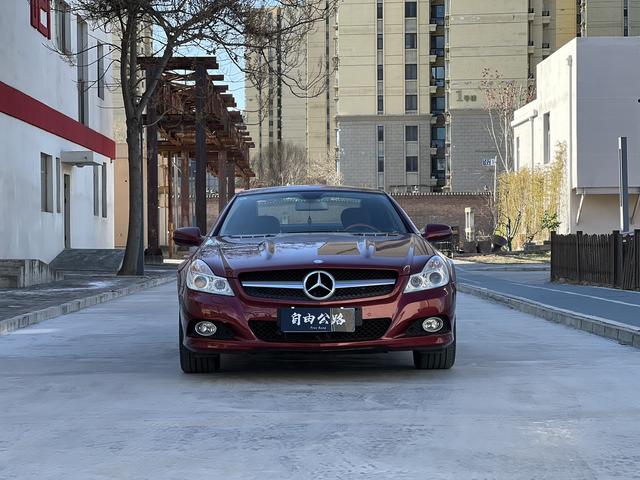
column 201, row 278
column 434, row 274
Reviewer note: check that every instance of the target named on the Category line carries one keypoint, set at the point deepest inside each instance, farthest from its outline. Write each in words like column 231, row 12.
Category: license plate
column 317, row 320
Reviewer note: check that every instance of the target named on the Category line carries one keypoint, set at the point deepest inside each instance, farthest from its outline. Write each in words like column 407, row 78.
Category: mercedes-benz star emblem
column 319, row 285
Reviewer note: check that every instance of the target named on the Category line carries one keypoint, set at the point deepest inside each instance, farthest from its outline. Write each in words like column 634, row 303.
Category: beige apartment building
column 406, row 96
column 278, row 110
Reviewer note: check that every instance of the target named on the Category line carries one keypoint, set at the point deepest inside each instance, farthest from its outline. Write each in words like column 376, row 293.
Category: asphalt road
column 608, row 303
column 98, row 395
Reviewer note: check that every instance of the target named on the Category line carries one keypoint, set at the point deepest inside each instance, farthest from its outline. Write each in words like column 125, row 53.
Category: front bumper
column 237, row 312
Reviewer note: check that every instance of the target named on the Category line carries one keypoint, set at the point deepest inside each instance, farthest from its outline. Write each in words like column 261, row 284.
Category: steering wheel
column 362, row 225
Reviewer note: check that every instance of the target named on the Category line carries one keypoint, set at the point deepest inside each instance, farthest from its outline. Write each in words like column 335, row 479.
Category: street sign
column 489, row 162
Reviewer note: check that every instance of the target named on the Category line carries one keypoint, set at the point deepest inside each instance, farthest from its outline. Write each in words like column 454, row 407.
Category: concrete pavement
column 98, row 394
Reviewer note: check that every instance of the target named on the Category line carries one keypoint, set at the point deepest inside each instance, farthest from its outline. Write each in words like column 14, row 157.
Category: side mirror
column 436, row 231
column 187, row 236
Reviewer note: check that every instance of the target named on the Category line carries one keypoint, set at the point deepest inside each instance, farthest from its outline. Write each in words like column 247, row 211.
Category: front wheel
column 438, row 360
column 193, row 363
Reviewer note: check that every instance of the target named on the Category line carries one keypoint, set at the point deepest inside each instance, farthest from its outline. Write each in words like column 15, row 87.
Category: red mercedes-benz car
column 321, row 269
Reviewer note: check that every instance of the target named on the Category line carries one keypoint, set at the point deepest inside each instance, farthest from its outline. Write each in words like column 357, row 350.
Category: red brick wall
column 447, row 208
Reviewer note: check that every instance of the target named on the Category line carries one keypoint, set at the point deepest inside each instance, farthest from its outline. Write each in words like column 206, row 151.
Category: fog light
column 206, row 329
column 432, row 324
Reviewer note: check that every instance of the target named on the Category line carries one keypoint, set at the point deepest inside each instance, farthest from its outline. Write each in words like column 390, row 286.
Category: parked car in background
column 315, row 269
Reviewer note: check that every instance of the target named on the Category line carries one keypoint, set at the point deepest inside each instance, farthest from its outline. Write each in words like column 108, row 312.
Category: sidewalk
column 610, row 313
column 22, row 307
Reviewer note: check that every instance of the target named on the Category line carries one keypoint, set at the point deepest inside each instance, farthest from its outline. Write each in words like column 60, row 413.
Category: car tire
column 193, row 363
column 438, row 360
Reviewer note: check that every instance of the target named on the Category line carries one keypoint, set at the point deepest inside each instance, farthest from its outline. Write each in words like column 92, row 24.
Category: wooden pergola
column 191, row 116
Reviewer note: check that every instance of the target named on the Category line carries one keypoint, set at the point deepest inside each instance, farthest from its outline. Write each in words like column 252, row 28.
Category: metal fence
column 611, row 260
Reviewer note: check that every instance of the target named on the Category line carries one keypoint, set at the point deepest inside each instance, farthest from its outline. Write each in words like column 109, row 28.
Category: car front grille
column 295, row 279
column 371, row 329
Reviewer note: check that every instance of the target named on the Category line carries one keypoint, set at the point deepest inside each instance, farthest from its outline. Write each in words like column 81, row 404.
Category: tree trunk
column 133, row 263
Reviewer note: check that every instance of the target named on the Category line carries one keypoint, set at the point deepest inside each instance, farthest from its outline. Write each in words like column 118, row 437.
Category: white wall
column 32, row 68
column 591, row 103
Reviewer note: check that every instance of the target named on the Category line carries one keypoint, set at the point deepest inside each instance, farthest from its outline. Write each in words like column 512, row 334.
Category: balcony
column 532, row 14
column 546, row 46
column 433, row 58
column 432, row 26
column 531, row 48
column 439, row 52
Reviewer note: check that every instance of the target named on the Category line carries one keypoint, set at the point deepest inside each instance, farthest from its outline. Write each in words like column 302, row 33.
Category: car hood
column 230, row 256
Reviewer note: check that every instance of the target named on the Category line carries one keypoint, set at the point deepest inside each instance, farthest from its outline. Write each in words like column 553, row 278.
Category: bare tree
column 503, row 97
column 172, row 26
column 289, row 164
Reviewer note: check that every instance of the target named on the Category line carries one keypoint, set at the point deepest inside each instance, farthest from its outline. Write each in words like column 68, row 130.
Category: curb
column 22, row 321
column 621, row 333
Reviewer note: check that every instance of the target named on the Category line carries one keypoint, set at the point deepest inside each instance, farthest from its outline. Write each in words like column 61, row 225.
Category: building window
column 83, row 71
column 410, row 41
column 380, row 104
column 411, row 133
column 411, row 103
column 46, row 183
column 380, row 42
column 437, row 45
column 625, row 18
column 438, row 136
column 380, row 163
column 100, row 64
column 411, row 71
column 411, row 9
column 59, row 185
column 546, row 125
column 412, row 164
column 63, row 26
column 437, row 14
column 380, row 133
column 96, row 190
column 437, row 76
column 380, row 72
column 41, row 16
column 104, row 190
column 379, row 10
column 437, row 104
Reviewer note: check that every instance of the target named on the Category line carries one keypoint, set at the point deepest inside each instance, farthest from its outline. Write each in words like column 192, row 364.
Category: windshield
column 312, row 212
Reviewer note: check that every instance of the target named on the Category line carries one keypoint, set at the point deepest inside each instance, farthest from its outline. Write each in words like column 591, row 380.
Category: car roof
column 308, row 188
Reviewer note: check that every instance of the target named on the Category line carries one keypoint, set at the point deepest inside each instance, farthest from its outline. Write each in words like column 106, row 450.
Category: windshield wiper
column 375, row 234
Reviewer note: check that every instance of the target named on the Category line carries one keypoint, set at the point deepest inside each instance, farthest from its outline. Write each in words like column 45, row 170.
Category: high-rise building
column 279, row 108
column 391, row 95
column 406, row 96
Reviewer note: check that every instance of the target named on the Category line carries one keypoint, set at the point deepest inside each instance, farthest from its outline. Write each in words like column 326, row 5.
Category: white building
column 56, row 150
column 588, row 95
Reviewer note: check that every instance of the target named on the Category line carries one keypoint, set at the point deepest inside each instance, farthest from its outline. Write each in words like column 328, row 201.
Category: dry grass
column 532, row 259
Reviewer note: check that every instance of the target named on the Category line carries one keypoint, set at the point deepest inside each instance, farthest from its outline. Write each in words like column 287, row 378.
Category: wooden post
column 201, row 149
column 153, row 253
column 617, row 259
column 636, row 257
column 222, row 181
column 170, row 202
column 578, row 248
column 185, row 219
